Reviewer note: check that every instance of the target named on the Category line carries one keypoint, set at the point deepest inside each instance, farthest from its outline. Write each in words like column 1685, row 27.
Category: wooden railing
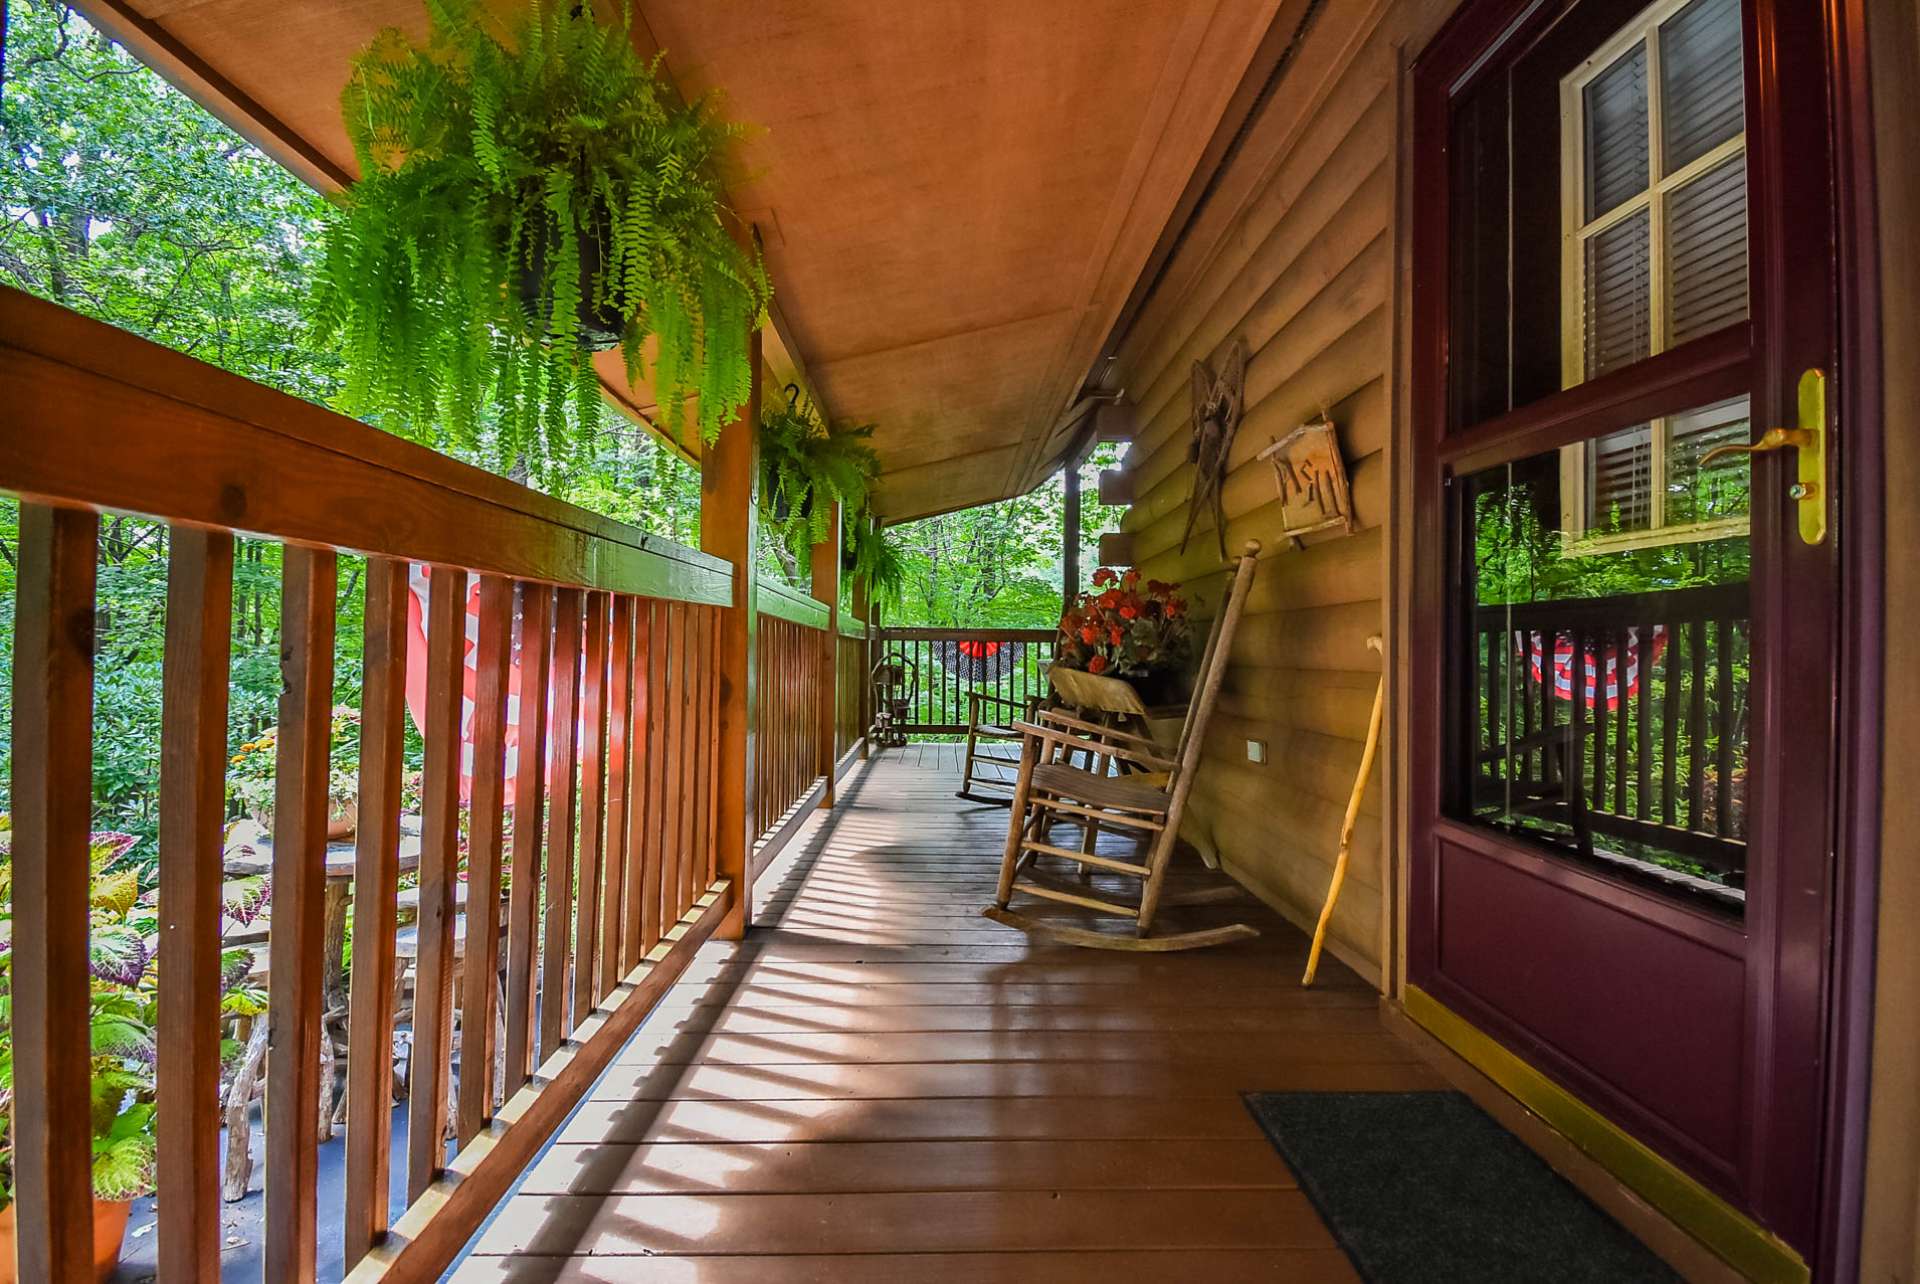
column 1641, row 734
column 611, row 858
column 794, row 671
column 851, row 716
column 1011, row 664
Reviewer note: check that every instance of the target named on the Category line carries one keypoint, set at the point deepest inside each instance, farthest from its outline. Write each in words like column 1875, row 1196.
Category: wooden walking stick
column 1353, row 814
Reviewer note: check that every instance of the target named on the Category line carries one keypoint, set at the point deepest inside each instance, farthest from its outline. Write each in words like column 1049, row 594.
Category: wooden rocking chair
column 992, row 754
column 1149, row 801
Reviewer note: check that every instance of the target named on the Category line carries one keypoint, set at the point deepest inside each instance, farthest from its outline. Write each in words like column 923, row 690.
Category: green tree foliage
column 999, row 565
column 126, row 201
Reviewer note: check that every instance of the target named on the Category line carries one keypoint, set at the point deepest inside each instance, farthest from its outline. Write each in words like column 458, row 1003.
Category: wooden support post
column 729, row 470
column 52, row 802
column 193, row 799
column 862, row 608
column 826, row 588
column 1070, row 533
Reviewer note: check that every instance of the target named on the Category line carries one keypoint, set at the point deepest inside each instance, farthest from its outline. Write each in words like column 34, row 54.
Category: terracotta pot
column 109, row 1231
column 341, row 817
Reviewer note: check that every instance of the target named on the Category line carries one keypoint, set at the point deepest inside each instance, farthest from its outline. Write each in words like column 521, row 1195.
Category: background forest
column 127, row 202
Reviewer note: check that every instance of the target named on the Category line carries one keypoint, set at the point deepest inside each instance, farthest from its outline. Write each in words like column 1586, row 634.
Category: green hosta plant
column 807, row 466
column 122, row 1009
column 523, row 200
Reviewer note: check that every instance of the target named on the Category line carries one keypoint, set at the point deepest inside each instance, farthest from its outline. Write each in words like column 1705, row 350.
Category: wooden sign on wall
column 1312, row 478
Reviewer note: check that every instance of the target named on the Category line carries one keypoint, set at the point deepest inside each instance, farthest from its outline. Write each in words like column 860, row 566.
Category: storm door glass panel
column 1607, row 687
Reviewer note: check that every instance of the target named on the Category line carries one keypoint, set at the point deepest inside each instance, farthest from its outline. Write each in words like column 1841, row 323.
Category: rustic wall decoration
column 1217, row 406
column 1312, row 478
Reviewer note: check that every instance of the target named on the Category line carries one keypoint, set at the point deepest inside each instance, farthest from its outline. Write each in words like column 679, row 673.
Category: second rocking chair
column 1147, row 800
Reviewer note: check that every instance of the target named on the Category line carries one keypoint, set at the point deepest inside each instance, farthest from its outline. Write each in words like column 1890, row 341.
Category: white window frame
column 1576, row 230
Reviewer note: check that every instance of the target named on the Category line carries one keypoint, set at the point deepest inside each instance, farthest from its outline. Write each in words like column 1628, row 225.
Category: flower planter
column 109, row 1231
column 342, row 816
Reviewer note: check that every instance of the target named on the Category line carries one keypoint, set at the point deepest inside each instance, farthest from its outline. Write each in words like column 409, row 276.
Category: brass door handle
column 1809, row 441
column 1770, row 440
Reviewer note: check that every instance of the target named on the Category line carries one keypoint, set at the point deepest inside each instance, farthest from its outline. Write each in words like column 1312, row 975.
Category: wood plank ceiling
column 956, row 197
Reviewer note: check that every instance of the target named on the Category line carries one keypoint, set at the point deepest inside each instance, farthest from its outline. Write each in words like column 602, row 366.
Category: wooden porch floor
column 881, row 1085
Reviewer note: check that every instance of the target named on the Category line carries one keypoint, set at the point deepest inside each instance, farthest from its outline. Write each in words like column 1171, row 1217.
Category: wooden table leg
column 333, row 994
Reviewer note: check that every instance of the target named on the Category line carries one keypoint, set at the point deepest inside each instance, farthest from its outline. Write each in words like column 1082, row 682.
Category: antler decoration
column 1217, row 405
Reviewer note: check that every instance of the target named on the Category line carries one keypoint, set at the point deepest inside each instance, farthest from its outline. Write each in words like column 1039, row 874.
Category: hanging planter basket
column 600, row 328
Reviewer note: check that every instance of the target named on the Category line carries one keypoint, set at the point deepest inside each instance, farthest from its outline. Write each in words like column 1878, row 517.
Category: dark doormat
column 1421, row 1186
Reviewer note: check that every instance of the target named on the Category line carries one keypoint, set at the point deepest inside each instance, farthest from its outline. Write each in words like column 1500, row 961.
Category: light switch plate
column 1256, row 751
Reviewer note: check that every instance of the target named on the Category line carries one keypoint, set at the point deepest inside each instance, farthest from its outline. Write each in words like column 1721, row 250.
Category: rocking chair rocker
column 1148, row 802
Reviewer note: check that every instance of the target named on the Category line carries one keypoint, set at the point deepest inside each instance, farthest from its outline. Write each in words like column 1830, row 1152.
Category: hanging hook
column 793, row 398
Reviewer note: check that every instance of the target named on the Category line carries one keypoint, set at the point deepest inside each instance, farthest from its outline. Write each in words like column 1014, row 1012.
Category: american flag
column 1605, row 669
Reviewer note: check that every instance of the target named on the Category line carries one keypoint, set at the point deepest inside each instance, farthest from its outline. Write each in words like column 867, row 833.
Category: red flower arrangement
column 1123, row 629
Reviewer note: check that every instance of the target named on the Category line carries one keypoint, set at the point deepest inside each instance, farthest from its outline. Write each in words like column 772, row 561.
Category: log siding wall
column 1295, row 254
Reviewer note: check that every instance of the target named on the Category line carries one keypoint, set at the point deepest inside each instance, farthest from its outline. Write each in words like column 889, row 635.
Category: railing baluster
column 593, row 811
column 1621, row 712
column 712, row 768
column 654, row 834
column 193, row 760
column 1491, row 732
column 1576, row 766
column 1602, row 639
column 529, row 790
column 1517, row 659
column 641, row 820
column 697, row 759
column 620, row 742
column 432, row 1053
column 376, row 881
column 690, row 782
column 492, row 666
column 1670, row 728
column 562, row 770
column 1723, row 728
column 296, row 948
column 674, row 795
column 52, row 797
column 1697, row 731
column 1643, row 720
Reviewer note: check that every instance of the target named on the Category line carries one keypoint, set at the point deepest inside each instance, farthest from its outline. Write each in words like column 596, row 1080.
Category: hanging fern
column 806, row 467
column 523, row 201
column 877, row 561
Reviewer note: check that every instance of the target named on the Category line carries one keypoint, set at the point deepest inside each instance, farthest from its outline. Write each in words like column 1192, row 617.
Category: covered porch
column 732, row 1012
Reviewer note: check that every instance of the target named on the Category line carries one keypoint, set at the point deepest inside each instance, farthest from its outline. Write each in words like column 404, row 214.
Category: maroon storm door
column 1625, row 833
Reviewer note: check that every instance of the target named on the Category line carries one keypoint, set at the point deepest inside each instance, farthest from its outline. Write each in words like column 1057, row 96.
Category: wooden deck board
column 878, row 1084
